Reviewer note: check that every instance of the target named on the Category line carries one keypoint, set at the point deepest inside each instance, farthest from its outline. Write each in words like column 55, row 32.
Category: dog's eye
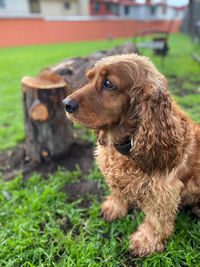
column 108, row 85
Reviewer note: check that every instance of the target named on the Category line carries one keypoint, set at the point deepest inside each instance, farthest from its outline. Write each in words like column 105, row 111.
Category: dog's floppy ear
column 158, row 134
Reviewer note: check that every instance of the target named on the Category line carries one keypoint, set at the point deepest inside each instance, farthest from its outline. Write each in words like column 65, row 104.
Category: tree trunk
column 48, row 132
column 191, row 18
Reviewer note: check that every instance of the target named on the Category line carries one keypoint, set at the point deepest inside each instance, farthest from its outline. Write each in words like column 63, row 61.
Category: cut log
column 48, row 132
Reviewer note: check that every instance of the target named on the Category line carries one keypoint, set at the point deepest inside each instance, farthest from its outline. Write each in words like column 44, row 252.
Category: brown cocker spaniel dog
column 148, row 149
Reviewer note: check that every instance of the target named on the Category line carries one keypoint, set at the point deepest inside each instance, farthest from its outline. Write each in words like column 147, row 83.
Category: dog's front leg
column 160, row 205
column 114, row 207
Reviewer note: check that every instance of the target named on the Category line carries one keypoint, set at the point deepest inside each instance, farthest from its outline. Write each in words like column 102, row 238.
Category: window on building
column 34, row 6
column 153, row 10
column 2, row 4
column 126, row 10
column 115, row 9
column 96, row 7
column 67, row 5
column 108, row 7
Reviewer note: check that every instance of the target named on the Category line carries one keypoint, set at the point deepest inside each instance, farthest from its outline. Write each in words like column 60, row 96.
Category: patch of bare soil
column 14, row 161
column 183, row 86
column 83, row 189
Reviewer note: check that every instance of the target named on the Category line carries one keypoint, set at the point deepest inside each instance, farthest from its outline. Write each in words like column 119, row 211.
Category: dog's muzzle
column 70, row 105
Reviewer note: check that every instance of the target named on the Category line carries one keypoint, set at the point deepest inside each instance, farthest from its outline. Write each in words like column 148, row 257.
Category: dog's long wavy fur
column 162, row 170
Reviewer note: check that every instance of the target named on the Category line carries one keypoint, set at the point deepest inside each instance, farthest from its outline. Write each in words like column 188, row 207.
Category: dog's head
column 127, row 91
column 114, row 85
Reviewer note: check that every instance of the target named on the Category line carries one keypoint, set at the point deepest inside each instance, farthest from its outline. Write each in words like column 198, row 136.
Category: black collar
column 124, row 148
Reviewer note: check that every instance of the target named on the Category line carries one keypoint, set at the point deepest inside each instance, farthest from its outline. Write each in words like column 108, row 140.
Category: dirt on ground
column 14, row 161
column 184, row 85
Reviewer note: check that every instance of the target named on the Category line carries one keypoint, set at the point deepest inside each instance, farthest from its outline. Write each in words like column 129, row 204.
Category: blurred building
column 125, row 9
column 29, row 22
column 13, row 7
column 44, row 8
column 64, row 8
column 130, row 9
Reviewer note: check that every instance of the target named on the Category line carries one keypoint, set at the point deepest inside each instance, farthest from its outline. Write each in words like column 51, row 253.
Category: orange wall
column 15, row 32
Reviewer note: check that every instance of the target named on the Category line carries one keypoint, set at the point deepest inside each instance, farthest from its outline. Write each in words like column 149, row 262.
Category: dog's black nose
column 70, row 105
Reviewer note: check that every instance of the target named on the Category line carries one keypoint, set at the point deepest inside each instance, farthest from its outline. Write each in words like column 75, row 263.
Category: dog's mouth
column 73, row 119
column 94, row 127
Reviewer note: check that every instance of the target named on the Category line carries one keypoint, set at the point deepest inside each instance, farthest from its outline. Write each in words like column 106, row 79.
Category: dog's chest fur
column 122, row 174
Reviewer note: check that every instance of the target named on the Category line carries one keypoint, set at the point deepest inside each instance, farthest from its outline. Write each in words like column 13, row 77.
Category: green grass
column 179, row 60
column 38, row 226
column 32, row 223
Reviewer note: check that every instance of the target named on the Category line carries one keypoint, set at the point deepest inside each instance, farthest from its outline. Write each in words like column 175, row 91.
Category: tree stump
column 48, row 132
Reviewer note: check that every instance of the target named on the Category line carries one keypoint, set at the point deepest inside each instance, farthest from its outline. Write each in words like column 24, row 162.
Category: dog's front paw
column 112, row 208
column 145, row 241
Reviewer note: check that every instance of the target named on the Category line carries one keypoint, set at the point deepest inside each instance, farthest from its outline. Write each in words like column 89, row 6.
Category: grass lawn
column 38, row 225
